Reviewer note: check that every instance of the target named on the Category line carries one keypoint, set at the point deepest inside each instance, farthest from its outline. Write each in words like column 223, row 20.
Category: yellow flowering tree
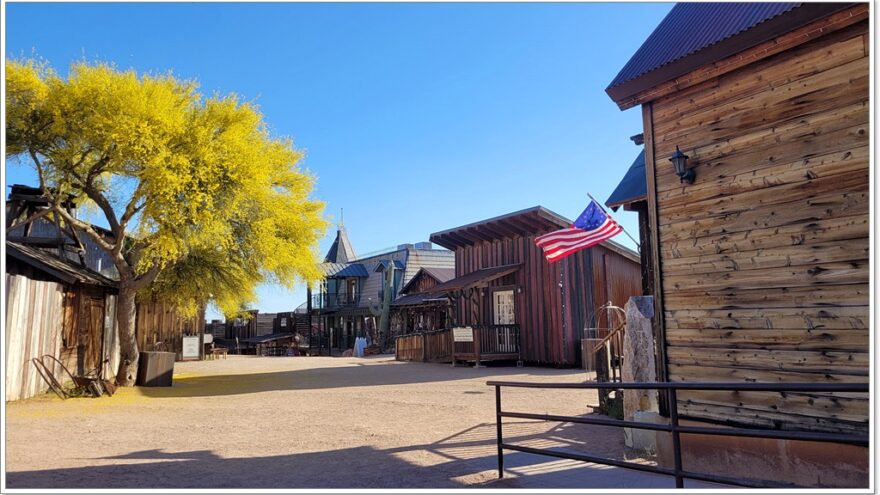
column 203, row 203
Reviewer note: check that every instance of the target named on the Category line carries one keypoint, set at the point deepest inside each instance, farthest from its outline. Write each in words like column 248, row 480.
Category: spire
column 341, row 250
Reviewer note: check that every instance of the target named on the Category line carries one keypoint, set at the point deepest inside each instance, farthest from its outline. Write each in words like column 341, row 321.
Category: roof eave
column 623, row 94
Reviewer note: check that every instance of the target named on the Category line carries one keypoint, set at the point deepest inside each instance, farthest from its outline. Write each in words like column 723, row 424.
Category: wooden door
column 91, row 334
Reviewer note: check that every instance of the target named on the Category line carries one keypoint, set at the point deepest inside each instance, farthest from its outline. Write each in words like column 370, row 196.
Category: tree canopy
column 204, row 203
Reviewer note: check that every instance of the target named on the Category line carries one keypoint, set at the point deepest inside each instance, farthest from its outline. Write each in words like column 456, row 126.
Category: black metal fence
column 673, row 427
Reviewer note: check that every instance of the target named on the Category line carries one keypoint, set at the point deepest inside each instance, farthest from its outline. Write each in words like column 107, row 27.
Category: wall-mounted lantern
column 679, row 162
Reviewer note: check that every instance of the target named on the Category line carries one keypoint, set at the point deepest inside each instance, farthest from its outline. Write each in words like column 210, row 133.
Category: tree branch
column 131, row 209
column 147, row 277
column 39, row 166
column 89, row 231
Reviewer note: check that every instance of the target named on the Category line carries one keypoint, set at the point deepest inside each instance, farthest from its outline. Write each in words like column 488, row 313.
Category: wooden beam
column 653, row 224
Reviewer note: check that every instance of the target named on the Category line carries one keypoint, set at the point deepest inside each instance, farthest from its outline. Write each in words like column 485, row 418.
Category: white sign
column 190, row 348
column 462, row 334
column 209, row 337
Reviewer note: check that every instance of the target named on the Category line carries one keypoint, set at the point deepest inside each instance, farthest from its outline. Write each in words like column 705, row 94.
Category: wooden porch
column 490, row 343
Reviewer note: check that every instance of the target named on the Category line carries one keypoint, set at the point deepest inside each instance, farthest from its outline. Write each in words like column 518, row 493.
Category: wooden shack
column 505, row 287
column 760, row 265
column 61, row 300
column 420, row 308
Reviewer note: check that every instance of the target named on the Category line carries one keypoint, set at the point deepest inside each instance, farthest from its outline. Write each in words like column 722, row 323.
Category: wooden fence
column 491, row 342
column 161, row 327
column 33, row 328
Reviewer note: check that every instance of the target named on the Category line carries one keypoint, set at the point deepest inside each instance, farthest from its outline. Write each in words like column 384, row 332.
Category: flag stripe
column 561, row 253
column 584, row 235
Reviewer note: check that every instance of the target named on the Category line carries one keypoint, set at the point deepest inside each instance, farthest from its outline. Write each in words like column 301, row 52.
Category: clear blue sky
column 415, row 117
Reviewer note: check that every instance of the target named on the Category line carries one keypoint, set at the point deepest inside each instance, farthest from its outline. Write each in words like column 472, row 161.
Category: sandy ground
column 309, row 422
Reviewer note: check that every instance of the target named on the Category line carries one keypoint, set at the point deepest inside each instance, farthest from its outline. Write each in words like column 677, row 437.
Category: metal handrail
column 674, row 427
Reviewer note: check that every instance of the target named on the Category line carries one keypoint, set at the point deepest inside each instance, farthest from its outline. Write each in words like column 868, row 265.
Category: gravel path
column 303, row 422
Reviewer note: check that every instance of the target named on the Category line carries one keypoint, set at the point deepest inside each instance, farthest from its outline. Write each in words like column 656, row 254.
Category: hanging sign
column 462, row 334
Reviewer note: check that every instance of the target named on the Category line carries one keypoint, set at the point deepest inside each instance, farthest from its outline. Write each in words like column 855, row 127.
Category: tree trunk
column 128, row 347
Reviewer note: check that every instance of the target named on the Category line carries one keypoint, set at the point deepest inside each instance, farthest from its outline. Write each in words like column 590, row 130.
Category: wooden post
column 424, row 347
column 476, row 331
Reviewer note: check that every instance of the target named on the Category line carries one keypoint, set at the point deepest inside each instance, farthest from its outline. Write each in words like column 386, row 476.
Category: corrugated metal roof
column 421, row 298
column 691, row 27
column 477, row 278
column 344, row 270
column 57, row 267
column 633, row 186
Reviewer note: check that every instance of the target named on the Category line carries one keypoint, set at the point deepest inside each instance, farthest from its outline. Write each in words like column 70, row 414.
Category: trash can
column 155, row 369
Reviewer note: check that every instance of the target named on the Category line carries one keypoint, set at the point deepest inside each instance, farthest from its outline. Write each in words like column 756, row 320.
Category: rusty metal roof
column 421, row 298
column 476, row 278
column 695, row 34
column 61, row 269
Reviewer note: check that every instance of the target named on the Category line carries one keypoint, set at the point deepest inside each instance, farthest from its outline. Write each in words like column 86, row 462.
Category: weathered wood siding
column 34, row 316
column 764, row 259
column 159, row 321
column 538, row 307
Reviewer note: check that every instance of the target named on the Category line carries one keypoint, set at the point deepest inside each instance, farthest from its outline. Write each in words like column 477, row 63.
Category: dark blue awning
column 633, row 187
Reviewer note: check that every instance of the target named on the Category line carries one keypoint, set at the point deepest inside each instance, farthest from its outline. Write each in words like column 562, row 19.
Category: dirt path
column 293, row 422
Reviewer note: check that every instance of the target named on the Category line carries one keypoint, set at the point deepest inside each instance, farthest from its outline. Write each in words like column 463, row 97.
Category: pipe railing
column 673, row 427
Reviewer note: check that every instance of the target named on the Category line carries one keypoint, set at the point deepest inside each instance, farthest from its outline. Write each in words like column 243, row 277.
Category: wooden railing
column 491, row 342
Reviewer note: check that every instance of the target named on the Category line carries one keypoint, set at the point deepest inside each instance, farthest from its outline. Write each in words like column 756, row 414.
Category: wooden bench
column 217, row 352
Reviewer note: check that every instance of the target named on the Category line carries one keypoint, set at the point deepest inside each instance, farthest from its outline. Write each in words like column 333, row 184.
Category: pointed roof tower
column 341, row 250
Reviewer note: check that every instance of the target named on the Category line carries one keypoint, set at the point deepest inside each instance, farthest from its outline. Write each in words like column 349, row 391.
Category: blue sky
column 415, row 117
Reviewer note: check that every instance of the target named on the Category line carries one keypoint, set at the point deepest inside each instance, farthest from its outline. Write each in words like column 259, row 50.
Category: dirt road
column 297, row 423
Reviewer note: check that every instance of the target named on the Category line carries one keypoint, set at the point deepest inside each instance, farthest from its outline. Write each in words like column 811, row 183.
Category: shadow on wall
column 467, row 459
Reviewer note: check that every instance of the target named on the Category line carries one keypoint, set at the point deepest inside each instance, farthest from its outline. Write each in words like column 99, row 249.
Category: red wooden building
column 505, row 287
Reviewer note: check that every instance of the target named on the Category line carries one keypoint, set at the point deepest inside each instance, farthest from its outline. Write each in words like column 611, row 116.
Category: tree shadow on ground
column 355, row 375
column 466, row 459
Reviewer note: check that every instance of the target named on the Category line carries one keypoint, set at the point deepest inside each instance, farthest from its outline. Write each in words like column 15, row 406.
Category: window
column 504, row 307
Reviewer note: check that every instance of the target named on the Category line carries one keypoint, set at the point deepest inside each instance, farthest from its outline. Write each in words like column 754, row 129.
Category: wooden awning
column 524, row 223
column 479, row 278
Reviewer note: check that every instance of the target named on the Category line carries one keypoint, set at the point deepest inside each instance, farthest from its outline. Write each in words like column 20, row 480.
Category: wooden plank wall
column 539, row 305
column 764, row 258
column 423, row 284
column 159, row 321
column 615, row 279
column 34, row 315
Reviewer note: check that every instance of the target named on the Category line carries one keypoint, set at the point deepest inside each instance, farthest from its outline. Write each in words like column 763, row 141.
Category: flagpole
column 638, row 245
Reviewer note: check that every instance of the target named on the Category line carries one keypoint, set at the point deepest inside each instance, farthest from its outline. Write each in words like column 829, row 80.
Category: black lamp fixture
column 679, row 162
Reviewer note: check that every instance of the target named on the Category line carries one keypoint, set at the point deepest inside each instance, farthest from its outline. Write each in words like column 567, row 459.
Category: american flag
column 591, row 227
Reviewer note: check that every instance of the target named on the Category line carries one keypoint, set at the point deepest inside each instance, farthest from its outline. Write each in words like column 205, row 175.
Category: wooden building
column 61, row 300
column 341, row 306
column 420, row 308
column 759, row 260
column 504, row 283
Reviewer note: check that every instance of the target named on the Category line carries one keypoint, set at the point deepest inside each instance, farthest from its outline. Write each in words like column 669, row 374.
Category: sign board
column 462, row 334
column 190, row 348
column 209, row 337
